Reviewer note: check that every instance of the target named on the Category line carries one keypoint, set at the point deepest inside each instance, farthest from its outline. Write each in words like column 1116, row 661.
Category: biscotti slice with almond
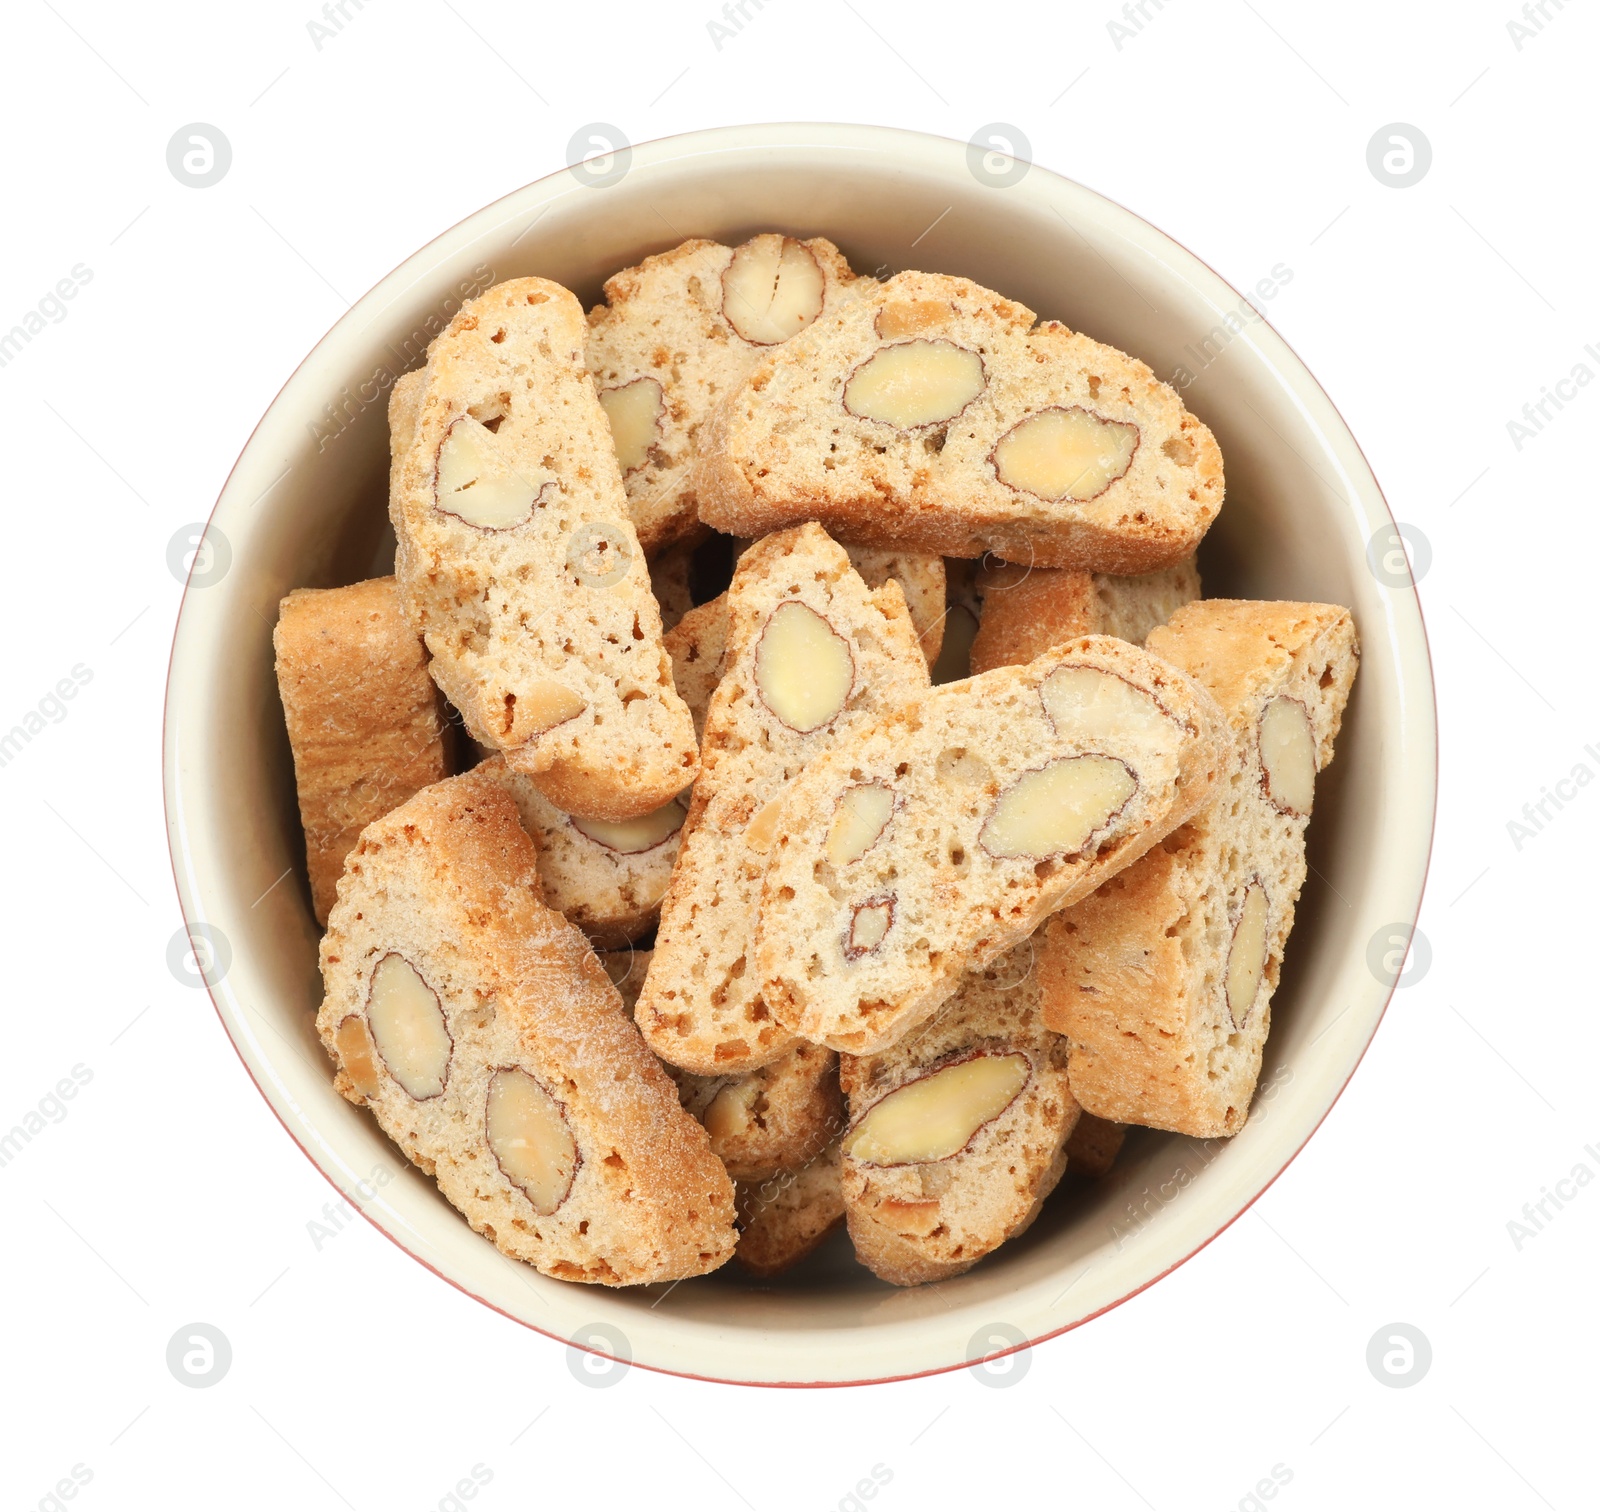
column 481, row 1030
column 787, row 1216
column 812, row 654
column 921, row 577
column 1027, row 610
column 958, row 1133
column 776, row 1118
column 366, row 726
column 677, row 334
column 931, row 412
column 519, row 566
column 1163, row 980
column 920, row 847
column 696, row 643
column 607, row 876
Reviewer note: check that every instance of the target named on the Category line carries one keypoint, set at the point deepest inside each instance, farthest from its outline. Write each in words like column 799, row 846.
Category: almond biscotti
column 365, row 724
column 519, row 566
column 1163, row 980
column 696, row 645
column 931, row 412
column 787, row 1216
column 607, row 876
column 680, row 332
column 1027, row 610
column 958, row 1133
column 921, row 577
column 921, row 846
column 812, row 655
column 697, row 641
column 776, row 1118
column 480, row 1029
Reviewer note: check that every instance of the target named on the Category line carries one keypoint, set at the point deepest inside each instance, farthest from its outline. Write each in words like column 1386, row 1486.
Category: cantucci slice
column 931, row 412
column 677, row 334
column 607, row 876
column 958, row 1133
column 1027, row 610
column 519, row 566
column 482, row 1032
column 366, row 728
column 812, row 654
column 1163, row 980
column 1003, row 797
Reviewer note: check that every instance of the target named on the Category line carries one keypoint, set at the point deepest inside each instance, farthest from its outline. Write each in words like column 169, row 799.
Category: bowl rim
column 660, row 152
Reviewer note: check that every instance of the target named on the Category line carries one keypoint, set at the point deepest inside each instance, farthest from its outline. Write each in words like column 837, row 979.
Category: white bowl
column 305, row 505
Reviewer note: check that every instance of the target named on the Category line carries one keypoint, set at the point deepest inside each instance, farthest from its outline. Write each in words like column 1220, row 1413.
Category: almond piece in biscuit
column 1163, row 980
column 811, row 655
column 1027, row 610
column 696, row 642
column 366, row 726
column 775, row 1118
column 958, row 1133
column 677, row 334
column 482, row 1032
column 921, row 577
column 519, row 566
column 933, row 413
column 1010, row 795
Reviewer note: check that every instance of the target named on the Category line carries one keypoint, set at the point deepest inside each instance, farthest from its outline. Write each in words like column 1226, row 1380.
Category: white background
column 169, row 1194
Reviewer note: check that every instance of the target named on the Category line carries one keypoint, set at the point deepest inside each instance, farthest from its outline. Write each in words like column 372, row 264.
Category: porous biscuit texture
column 366, row 727
column 608, row 879
column 1027, row 610
column 944, row 889
column 667, row 342
column 540, row 620
column 929, row 1220
column 1137, row 976
column 448, row 884
column 785, row 1217
column 803, row 439
column 775, row 1118
column 702, row 1007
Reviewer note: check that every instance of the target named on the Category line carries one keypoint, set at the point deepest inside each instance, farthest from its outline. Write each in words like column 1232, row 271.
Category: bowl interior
column 305, row 506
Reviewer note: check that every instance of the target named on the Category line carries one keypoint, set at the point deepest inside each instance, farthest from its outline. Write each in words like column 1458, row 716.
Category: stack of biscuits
column 856, row 817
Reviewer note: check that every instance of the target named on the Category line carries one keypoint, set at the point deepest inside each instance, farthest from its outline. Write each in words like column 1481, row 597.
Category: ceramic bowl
column 305, row 506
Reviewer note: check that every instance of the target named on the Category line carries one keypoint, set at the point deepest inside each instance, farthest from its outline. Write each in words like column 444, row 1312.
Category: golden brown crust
column 785, row 447
column 365, row 723
column 1135, row 975
column 1027, row 610
column 449, row 881
column 664, row 320
column 960, row 907
column 543, row 632
column 928, row 1221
